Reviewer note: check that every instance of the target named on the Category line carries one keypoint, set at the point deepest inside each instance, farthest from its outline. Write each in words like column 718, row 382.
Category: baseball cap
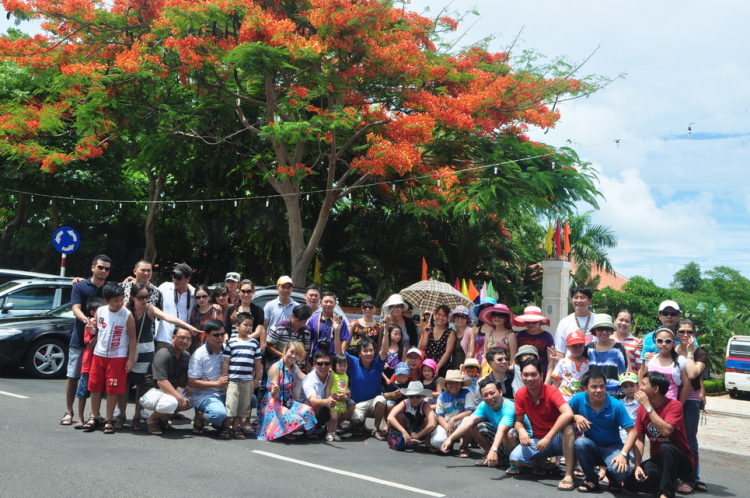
column 283, row 280
column 233, row 276
column 669, row 304
column 182, row 270
column 575, row 337
column 414, row 350
column 402, row 368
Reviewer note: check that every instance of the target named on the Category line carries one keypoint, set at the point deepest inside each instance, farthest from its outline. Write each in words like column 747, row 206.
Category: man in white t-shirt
column 581, row 319
column 178, row 300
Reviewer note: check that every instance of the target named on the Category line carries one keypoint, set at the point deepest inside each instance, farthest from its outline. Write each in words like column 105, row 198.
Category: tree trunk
column 49, row 251
column 156, row 187
column 13, row 226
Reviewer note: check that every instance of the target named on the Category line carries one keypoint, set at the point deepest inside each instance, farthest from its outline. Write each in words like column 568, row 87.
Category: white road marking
column 14, row 395
column 350, row 474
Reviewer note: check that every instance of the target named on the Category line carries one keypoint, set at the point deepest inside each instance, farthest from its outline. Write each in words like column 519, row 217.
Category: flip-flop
column 67, row 419
column 701, row 486
column 463, row 453
column 684, row 489
column 585, row 487
column 378, row 435
column 513, row 471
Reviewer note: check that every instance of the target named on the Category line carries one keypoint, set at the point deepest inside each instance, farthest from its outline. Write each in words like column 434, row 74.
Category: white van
column 737, row 375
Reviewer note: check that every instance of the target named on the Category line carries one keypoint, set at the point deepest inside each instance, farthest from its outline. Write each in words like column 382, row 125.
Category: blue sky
column 670, row 199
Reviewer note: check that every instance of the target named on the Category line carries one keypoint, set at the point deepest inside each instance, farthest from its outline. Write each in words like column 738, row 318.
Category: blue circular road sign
column 66, row 240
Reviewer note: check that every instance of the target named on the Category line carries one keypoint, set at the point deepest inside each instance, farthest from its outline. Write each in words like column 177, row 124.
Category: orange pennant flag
column 473, row 292
column 566, row 233
column 424, row 269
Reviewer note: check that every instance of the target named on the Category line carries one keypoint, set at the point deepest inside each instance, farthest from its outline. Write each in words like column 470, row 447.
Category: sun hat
column 283, row 280
column 603, row 320
column 416, row 389
column 485, row 316
column 575, row 337
column 233, row 276
column 393, row 300
column 430, row 363
column 460, row 310
column 526, row 349
column 453, row 376
column 531, row 314
column 669, row 304
column 487, row 301
column 402, row 369
column 471, row 362
column 415, row 350
column 628, row 377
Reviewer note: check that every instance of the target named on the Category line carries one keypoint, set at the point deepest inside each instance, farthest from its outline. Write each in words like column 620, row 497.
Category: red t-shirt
column 88, row 354
column 544, row 413
column 672, row 413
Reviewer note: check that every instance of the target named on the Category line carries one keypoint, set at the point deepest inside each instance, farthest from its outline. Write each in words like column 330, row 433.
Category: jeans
column 589, row 455
column 526, row 454
column 692, row 418
column 214, row 409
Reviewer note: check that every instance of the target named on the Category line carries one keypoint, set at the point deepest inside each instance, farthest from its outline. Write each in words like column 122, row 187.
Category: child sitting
column 471, row 369
column 338, row 383
column 242, row 357
column 392, row 392
column 430, row 380
column 454, row 403
column 414, row 416
column 82, row 394
column 114, row 354
column 569, row 370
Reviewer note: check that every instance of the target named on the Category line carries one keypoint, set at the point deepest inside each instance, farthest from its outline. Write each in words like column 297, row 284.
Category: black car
column 39, row 343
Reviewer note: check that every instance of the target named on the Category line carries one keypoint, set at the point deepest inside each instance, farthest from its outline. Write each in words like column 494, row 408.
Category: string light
column 235, row 203
column 266, row 201
column 495, row 169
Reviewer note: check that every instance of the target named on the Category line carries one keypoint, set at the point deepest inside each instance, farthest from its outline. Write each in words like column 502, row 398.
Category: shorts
column 366, row 409
column 239, row 394
column 527, row 454
column 83, row 387
column 136, row 378
column 75, row 361
column 108, row 374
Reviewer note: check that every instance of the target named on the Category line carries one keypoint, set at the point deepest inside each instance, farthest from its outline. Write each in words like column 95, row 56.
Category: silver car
column 32, row 296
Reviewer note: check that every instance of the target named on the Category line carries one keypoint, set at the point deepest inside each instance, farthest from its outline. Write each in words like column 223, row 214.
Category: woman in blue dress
column 280, row 413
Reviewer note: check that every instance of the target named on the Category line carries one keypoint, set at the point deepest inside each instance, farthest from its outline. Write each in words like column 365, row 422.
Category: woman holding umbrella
column 438, row 339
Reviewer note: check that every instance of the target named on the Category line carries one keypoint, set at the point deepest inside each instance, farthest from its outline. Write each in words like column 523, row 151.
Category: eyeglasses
column 221, row 294
column 501, row 359
column 142, row 297
column 104, row 268
column 202, row 296
column 242, row 291
column 669, row 313
column 323, row 363
column 368, row 307
column 683, row 332
column 217, row 334
column 664, row 341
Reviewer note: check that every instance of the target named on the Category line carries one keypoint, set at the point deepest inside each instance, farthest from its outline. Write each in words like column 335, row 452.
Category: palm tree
column 589, row 244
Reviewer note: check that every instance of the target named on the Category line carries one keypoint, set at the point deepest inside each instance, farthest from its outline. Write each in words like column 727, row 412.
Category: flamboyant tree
column 327, row 95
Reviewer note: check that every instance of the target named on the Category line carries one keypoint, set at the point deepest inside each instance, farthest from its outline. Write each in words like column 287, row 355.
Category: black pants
column 662, row 471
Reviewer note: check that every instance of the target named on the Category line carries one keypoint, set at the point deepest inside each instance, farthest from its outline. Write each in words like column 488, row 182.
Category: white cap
column 669, row 304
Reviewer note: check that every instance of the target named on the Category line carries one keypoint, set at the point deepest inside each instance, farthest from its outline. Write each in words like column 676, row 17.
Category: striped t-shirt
column 242, row 356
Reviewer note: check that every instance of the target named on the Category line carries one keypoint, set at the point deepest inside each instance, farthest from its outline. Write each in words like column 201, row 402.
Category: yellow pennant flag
column 548, row 241
column 316, row 273
column 464, row 289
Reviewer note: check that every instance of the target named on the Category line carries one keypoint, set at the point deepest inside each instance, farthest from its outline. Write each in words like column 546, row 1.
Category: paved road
column 40, row 458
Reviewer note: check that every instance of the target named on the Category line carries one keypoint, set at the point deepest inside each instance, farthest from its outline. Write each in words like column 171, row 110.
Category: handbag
column 396, row 440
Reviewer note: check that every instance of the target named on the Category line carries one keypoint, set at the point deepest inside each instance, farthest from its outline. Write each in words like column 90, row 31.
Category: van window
column 739, row 349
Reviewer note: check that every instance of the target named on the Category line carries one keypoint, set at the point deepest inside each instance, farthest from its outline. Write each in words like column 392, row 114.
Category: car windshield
column 8, row 286
column 64, row 311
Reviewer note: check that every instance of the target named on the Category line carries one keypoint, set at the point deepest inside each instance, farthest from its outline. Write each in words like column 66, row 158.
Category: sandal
column 67, row 419
column 154, row 429
column 513, row 471
column 109, row 427
column 238, row 433
column 684, row 489
column 569, row 485
column 378, row 435
column 198, row 426
column 701, row 486
column 224, row 433
column 329, row 437
column 463, row 453
column 311, row 435
column 585, row 487
column 136, row 423
column 79, row 424
column 92, row 424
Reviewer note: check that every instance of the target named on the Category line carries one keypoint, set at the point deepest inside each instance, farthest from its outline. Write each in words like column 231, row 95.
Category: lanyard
column 177, row 299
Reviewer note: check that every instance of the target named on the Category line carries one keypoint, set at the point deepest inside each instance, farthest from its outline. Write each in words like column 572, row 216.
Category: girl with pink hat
column 534, row 335
column 430, row 379
column 500, row 318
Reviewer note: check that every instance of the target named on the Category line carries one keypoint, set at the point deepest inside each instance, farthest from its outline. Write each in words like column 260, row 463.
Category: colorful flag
column 457, row 285
column 424, row 269
column 473, row 292
column 491, row 290
column 548, row 240
column 558, row 249
column 566, row 232
column 316, row 273
column 483, row 292
column 464, row 289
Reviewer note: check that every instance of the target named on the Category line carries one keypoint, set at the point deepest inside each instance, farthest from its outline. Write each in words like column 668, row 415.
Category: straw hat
column 471, row 362
column 453, row 376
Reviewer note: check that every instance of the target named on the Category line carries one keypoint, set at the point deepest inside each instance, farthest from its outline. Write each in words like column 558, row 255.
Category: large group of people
column 585, row 396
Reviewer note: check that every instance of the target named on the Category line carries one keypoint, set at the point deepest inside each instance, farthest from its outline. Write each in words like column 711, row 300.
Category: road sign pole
column 62, row 265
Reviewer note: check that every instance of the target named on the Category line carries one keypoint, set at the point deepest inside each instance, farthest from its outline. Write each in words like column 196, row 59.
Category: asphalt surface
column 38, row 457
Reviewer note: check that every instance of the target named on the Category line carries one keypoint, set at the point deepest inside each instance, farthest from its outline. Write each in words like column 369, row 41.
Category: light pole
column 702, row 308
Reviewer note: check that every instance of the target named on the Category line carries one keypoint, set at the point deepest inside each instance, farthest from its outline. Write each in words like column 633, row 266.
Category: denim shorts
column 83, row 387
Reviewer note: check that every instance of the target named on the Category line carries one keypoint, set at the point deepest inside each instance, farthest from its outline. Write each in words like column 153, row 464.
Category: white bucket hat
column 394, row 300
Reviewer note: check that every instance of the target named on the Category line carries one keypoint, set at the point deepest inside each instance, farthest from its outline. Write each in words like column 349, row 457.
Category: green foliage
column 688, row 279
column 714, row 386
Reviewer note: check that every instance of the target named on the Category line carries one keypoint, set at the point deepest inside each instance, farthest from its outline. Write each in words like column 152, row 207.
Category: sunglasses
column 460, row 316
column 602, row 329
column 202, row 296
column 688, row 332
column 664, row 341
column 669, row 313
column 217, row 334
column 498, row 315
column 501, row 359
column 323, row 363
column 368, row 307
column 221, row 294
column 104, row 268
column 142, row 297
column 247, row 291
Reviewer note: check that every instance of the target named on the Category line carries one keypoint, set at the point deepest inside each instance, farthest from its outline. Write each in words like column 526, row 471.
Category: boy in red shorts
column 114, row 354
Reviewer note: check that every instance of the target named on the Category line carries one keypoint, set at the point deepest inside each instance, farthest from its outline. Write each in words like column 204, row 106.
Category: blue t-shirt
column 605, row 425
column 504, row 416
column 81, row 293
column 364, row 383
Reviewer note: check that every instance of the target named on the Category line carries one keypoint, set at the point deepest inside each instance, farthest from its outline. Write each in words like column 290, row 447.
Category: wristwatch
column 625, row 455
column 495, row 450
column 649, row 410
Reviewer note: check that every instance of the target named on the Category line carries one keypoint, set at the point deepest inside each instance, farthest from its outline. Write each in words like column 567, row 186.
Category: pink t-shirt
column 673, row 388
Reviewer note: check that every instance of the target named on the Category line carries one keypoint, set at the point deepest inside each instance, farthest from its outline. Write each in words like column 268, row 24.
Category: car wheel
column 47, row 358
column 733, row 393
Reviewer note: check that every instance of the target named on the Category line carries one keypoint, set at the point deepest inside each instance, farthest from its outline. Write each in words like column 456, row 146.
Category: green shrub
column 714, row 385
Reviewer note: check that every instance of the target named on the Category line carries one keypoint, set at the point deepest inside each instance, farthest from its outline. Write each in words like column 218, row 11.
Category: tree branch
column 359, row 134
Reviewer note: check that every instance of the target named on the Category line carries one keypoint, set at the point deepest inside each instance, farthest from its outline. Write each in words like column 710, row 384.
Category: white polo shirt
column 175, row 304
